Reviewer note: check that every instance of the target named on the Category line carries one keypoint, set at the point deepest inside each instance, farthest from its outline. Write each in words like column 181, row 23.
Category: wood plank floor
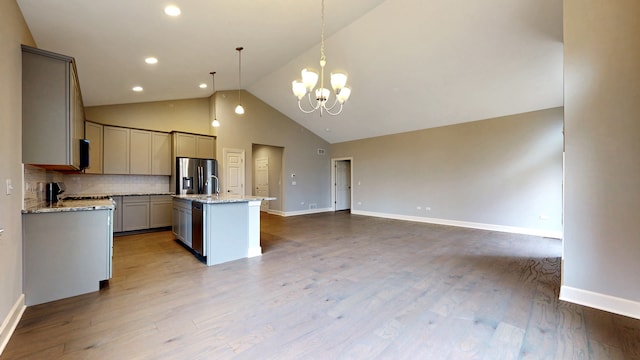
column 331, row 286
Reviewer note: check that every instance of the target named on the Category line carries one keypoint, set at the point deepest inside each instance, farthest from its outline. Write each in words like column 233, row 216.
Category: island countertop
column 70, row 205
column 221, row 199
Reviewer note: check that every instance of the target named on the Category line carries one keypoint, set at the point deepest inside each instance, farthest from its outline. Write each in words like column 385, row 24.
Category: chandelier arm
column 303, row 110
column 335, row 102
column 311, row 102
column 334, row 113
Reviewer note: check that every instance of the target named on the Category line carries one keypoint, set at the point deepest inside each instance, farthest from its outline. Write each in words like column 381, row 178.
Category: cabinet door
column 135, row 213
column 205, row 147
column 45, row 123
column 140, row 152
column 115, row 156
column 117, row 214
column 93, row 133
column 160, row 154
column 160, row 211
column 175, row 220
column 185, row 145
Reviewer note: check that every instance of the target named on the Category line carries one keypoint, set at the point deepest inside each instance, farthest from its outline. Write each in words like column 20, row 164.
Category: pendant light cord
column 239, row 71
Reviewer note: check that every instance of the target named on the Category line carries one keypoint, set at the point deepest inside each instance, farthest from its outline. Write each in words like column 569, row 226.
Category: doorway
column 267, row 176
column 341, row 194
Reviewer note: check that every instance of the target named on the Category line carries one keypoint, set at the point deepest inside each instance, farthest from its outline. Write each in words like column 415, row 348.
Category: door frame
column 333, row 180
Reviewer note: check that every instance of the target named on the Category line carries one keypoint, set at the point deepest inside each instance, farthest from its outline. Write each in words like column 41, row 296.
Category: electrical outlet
column 427, row 208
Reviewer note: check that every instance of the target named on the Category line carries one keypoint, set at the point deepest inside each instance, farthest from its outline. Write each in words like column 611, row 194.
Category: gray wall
column 262, row 124
column 13, row 32
column 505, row 171
column 602, row 120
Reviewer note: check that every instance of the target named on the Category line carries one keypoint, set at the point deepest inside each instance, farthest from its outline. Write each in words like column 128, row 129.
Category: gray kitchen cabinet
column 93, row 133
column 181, row 220
column 65, row 253
column 135, row 213
column 52, row 110
column 135, row 151
column 115, row 157
column 117, row 214
column 160, row 153
column 139, row 152
column 205, row 147
column 160, row 211
column 193, row 145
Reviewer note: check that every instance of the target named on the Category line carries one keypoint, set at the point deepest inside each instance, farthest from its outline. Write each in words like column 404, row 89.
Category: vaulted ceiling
column 412, row 64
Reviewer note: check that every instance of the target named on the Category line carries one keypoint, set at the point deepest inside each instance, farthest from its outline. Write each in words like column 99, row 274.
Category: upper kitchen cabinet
column 115, row 145
column 52, row 110
column 93, row 133
column 140, row 156
column 135, row 151
column 195, row 146
column 160, row 153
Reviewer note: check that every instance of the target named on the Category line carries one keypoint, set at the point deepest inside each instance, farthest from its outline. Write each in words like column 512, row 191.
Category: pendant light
column 215, row 122
column 239, row 108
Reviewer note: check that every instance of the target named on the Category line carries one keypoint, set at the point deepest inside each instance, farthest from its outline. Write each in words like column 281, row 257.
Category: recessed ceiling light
column 151, row 60
column 172, row 10
column 203, row 86
column 137, row 88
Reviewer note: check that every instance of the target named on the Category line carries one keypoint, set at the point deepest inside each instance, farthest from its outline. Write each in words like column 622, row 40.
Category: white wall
column 602, row 125
column 13, row 32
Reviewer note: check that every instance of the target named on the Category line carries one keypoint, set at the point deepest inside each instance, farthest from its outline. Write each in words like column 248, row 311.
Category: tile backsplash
column 98, row 184
column 35, row 179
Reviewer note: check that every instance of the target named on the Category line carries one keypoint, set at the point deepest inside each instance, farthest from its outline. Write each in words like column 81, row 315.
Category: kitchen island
column 229, row 225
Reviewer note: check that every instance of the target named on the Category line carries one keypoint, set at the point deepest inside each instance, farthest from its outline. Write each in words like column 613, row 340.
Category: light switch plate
column 9, row 187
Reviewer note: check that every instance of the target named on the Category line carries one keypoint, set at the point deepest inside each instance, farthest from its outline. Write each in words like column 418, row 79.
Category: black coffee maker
column 53, row 189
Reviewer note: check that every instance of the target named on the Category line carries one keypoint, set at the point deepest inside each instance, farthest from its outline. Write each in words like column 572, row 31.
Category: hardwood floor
column 331, row 286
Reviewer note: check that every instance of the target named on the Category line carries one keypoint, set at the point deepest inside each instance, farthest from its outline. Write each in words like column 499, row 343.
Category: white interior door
column 234, row 171
column 343, row 185
column 262, row 181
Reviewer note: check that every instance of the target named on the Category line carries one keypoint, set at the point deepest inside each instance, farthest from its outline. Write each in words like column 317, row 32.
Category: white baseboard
column 254, row 251
column 600, row 301
column 300, row 212
column 466, row 224
column 11, row 321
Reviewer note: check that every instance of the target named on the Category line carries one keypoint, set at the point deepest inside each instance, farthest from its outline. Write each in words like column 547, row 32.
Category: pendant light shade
column 214, row 122
column 239, row 108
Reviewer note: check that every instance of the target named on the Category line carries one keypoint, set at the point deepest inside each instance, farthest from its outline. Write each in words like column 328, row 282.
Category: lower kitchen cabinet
column 182, row 220
column 142, row 212
column 65, row 253
column 135, row 213
column 160, row 211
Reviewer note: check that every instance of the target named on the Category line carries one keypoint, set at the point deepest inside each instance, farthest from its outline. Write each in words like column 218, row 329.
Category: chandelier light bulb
column 309, row 78
column 338, row 81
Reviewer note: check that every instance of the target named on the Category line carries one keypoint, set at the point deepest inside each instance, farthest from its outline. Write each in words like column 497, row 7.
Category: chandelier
column 321, row 94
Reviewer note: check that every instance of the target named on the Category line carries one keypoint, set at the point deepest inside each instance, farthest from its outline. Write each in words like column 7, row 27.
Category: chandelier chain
column 322, row 56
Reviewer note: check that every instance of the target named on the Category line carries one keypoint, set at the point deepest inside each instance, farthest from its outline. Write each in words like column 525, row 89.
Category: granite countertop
column 221, row 199
column 70, row 205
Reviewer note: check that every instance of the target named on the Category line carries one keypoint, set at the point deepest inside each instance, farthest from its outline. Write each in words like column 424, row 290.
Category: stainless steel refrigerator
column 196, row 176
